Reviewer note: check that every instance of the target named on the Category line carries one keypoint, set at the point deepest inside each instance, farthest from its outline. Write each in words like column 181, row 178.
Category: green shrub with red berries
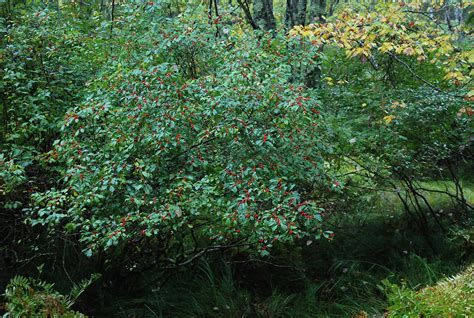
column 157, row 156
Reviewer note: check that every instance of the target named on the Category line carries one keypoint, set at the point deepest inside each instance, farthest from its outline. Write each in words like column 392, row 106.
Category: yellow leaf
column 388, row 119
column 386, row 47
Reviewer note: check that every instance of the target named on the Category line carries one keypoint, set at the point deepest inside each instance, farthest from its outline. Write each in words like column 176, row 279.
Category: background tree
column 296, row 13
column 263, row 14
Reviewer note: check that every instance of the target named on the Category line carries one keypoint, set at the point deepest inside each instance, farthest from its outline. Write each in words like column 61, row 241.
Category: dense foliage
column 224, row 156
column 267, row 149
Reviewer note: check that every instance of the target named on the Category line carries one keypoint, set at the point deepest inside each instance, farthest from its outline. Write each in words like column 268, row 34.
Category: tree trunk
column 245, row 7
column 295, row 13
column 302, row 5
column 317, row 10
column 112, row 17
column 263, row 14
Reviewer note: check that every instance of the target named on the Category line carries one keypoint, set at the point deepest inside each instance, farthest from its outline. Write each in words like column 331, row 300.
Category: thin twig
column 420, row 78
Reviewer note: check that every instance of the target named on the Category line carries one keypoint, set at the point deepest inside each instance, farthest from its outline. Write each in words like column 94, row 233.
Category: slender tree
column 295, row 13
column 244, row 4
column 317, row 10
column 263, row 14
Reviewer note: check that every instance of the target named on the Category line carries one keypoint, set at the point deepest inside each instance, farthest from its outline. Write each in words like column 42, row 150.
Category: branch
column 420, row 78
column 203, row 142
column 204, row 251
column 33, row 257
column 248, row 15
column 446, row 193
column 302, row 270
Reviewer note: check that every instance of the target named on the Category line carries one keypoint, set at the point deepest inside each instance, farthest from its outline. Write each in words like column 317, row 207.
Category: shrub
column 29, row 297
column 194, row 165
